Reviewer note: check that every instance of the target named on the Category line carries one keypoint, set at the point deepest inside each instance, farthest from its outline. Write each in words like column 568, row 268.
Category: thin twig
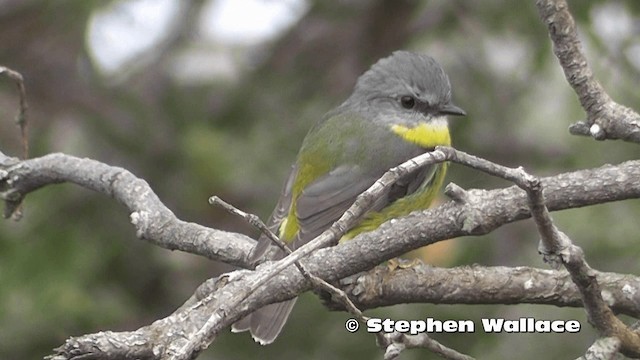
column 400, row 342
column 21, row 117
column 14, row 208
column 254, row 221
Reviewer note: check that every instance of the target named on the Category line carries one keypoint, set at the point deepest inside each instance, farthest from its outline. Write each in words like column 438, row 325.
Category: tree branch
column 474, row 285
column 606, row 119
column 383, row 286
column 21, row 118
column 482, row 212
column 559, row 250
column 485, row 211
column 153, row 221
column 602, row 349
column 400, row 342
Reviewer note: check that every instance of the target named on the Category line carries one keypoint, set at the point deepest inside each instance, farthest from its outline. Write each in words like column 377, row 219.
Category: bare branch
column 559, row 247
column 602, row 349
column 531, row 286
column 558, row 250
column 21, row 117
column 600, row 315
column 400, row 342
column 107, row 345
column 14, row 206
column 245, row 292
column 237, row 293
column 153, row 221
column 609, row 183
column 606, row 119
column 382, row 286
column 252, row 220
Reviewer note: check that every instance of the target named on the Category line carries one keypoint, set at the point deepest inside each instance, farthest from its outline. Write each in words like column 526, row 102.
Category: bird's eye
column 407, row 102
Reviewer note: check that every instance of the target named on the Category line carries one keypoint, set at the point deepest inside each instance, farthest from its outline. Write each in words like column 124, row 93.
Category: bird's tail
column 266, row 323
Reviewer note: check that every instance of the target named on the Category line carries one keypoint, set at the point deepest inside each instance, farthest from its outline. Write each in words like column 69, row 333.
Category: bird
column 398, row 110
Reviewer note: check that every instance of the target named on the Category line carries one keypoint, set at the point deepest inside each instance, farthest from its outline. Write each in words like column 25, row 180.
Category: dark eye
column 407, row 102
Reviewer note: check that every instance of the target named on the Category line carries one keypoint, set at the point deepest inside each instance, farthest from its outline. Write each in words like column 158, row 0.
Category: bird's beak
column 450, row 109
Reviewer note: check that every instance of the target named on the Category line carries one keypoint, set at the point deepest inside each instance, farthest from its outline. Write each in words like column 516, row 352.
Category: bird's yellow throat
column 426, row 135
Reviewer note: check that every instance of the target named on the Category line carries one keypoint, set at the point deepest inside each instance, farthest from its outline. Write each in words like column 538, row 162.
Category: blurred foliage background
column 214, row 97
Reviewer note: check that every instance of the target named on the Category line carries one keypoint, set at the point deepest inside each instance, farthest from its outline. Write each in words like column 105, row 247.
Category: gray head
column 408, row 82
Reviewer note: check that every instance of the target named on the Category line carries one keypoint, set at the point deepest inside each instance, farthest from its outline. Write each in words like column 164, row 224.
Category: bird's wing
column 325, row 200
